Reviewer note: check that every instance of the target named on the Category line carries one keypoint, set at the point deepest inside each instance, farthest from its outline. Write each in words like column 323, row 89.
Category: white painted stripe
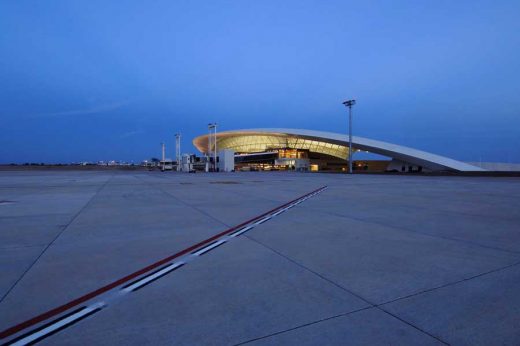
column 241, row 231
column 82, row 313
column 278, row 213
column 264, row 219
column 288, row 207
column 259, row 222
column 207, row 248
column 41, row 333
column 147, row 279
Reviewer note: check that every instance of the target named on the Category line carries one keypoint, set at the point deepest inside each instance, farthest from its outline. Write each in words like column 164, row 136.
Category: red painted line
column 60, row 309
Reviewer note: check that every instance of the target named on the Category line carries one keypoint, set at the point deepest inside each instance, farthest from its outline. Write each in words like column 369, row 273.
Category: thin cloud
column 87, row 111
column 130, row 134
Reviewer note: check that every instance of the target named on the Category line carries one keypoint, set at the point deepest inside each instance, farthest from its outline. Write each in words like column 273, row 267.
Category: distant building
column 226, row 160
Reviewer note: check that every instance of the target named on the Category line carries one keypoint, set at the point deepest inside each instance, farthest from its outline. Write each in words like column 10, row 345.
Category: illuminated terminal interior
column 310, row 150
column 274, row 152
column 265, row 152
column 263, row 143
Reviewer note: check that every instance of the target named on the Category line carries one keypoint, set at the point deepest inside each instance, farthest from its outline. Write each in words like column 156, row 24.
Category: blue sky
column 100, row 80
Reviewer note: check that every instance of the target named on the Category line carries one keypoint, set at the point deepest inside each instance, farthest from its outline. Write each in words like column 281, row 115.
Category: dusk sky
column 110, row 80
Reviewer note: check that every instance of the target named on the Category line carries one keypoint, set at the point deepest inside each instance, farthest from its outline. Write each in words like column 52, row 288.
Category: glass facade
column 283, row 151
column 262, row 143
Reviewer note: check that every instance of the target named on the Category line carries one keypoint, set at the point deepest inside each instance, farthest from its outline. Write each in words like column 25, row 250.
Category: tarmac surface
column 372, row 259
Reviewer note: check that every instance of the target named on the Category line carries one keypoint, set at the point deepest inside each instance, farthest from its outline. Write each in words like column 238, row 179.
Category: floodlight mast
column 178, row 150
column 163, row 147
column 349, row 104
column 208, row 154
column 215, row 148
column 212, row 142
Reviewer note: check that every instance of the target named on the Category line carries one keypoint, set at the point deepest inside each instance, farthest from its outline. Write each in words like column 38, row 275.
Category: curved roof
column 334, row 144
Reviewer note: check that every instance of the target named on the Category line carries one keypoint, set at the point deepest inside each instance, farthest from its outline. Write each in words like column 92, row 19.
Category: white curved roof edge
column 399, row 152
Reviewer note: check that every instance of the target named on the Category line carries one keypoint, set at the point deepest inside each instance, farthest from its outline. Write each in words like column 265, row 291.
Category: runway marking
column 278, row 213
column 240, row 231
column 55, row 326
column 261, row 221
column 134, row 281
column 208, row 248
column 135, row 285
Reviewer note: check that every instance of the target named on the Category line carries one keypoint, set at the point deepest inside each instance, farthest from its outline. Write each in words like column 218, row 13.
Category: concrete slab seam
column 405, row 229
column 450, row 284
column 303, row 325
column 107, row 295
column 55, row 238
column 372, row 305
column 168, row 193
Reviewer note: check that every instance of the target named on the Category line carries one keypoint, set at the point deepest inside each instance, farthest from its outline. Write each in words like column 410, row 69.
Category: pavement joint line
column 47, row 186
column 14, row 247
column 303, row 325
column 243, row 194
column 217, row 188
column 413, row 326
column 443, row 211
column 311, row 271
column 106, row 292
column 55, row 238
column 183, row 202
column 450, row 284
column 513, row 252
column 373, row 305
column 33, row 215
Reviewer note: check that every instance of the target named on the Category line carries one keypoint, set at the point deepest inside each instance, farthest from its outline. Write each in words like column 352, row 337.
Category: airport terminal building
column 308, row 150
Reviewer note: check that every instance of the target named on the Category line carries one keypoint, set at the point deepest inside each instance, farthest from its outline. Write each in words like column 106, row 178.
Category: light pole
column 349, row 104
column 163, row 155
column 213, row 126
column 178, row 151
column 209, row 149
